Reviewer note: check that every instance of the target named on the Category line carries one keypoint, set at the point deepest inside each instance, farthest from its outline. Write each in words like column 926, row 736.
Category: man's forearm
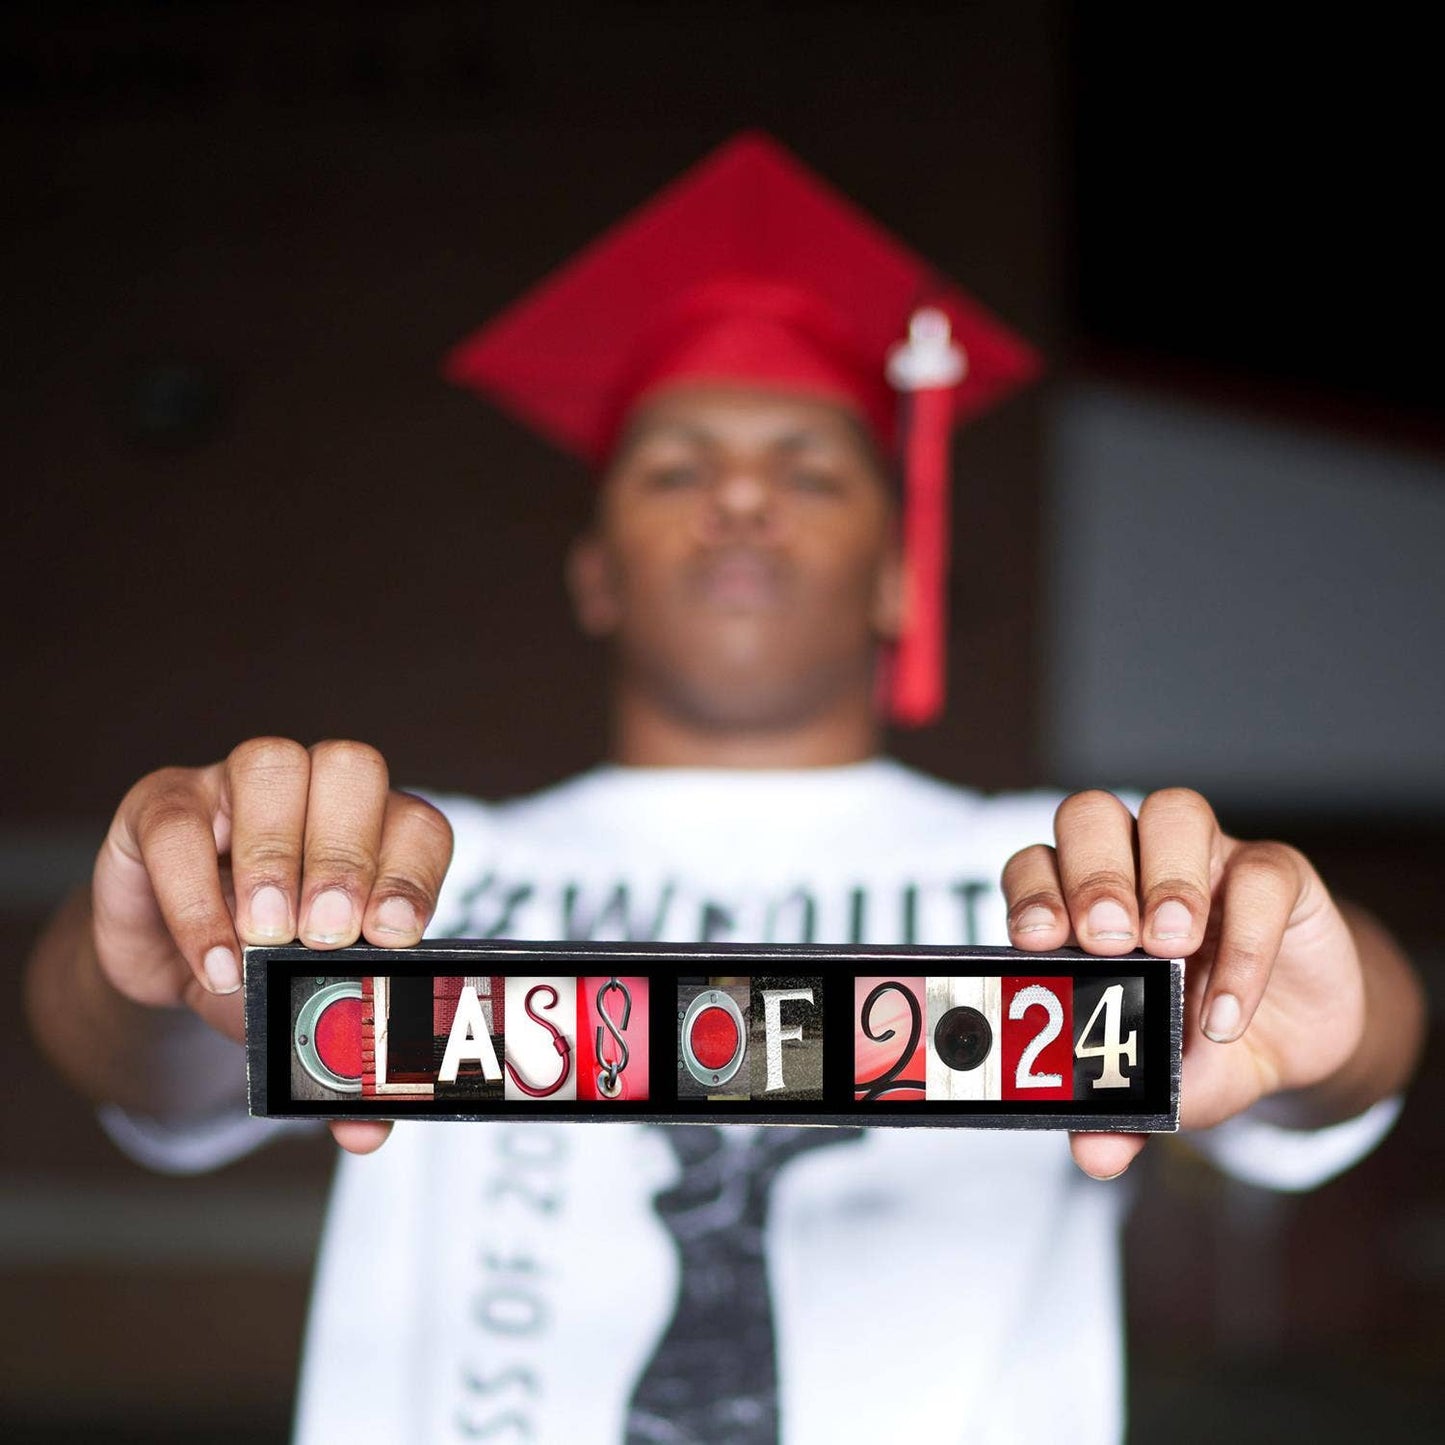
column 164, row 1062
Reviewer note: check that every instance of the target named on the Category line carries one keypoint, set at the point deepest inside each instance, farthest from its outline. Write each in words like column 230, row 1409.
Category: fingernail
column 1108, row 919
column 270, row 913
column 396, row 915
column 1037, row 919
column 223, row 974
column 1222, row 1022
column 1172, row 920
column 330, row 919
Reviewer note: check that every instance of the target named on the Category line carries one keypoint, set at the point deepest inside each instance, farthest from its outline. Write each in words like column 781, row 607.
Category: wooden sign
column 713, row 1033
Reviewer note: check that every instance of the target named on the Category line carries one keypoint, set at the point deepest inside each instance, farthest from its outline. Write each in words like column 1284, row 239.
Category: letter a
column 469, row 1041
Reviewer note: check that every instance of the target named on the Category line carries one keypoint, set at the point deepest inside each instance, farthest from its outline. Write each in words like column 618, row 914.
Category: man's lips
column 739, row 577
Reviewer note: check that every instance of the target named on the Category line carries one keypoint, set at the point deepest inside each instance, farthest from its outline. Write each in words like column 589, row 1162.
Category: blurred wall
column 1246, row 603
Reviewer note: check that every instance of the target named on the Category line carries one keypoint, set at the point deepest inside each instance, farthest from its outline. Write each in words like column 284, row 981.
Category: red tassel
column 928, row 368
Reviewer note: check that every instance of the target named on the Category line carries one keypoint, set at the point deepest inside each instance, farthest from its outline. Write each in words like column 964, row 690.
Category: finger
column 345, row 806
column 1034, row 895
column 267, row 780
column 1262, row 883
column 360, row 1136
column 416, row 850
column 1094, row 840
column 1178, row 842
column 1105, row 1156
column 171, row 818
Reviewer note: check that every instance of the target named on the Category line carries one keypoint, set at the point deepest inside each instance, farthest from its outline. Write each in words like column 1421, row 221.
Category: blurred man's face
column 744, row 560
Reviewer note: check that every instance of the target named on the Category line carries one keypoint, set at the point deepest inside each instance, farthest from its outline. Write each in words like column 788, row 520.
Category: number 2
column 1037, row 996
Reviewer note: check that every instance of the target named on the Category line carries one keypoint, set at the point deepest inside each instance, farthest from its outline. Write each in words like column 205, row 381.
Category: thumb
column 1105, row 1156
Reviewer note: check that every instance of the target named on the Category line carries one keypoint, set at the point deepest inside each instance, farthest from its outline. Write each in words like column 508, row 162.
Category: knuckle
column 267, row 757
column 1277, row 860
column 1028, row 862
column 191, row 913
column 1187, row 890
column 428, row 821
column 339, row 859
column 273, row 856
column 414, row 892
column 1175, row 800
column 1103, row 883
column 348, row 755
column 1089, row 805
column 1281, row 855
column 165, row 782
column 1044, row 898
column 1247, row 961
column 170, row 803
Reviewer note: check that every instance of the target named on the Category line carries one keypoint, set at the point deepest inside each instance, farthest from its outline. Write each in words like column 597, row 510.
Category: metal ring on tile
column 305, row 1036
column 713, row 998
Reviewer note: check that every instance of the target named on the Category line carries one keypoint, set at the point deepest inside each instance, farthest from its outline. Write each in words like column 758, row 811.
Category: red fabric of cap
column 740, row 328
column 570, row 356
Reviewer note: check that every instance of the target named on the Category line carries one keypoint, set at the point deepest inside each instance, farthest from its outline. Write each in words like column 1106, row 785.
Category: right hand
column 277, row 842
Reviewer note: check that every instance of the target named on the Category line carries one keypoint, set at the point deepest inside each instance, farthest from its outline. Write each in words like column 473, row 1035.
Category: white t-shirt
column 555, row 1282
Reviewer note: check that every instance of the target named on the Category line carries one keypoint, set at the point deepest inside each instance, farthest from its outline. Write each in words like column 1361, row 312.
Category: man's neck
column 645, row 736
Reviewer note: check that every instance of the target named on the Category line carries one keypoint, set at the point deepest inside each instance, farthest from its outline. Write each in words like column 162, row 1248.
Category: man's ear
column 889, row 594
column 592, row 585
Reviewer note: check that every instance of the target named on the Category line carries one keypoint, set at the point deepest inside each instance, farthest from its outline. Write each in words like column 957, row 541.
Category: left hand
column 1275, row 996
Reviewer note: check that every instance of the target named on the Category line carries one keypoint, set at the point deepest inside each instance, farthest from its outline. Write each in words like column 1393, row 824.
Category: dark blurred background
column 239, row 500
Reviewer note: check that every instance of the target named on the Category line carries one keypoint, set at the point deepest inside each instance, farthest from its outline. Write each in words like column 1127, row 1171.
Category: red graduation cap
column 751, row 269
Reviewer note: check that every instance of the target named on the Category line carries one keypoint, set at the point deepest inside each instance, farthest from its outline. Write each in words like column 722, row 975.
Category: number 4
column 1111, row 1002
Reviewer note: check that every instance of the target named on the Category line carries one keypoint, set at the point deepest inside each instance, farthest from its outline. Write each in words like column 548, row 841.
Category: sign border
column 269, row 971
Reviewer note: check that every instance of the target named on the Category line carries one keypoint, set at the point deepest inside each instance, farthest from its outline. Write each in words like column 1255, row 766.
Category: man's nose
column 741, row 500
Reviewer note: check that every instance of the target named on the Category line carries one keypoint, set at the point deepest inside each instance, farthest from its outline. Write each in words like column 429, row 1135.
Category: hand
column 1275, row 995
column 278, row 841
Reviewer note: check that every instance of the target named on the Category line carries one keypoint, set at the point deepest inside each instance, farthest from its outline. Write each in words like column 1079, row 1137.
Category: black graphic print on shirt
column 713, row 1376
column 505, row 906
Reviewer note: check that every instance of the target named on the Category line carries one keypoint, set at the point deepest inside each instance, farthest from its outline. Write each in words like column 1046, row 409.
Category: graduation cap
column 751, row 269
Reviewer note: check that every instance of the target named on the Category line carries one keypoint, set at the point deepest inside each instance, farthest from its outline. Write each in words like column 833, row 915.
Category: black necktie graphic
column 713, row 1377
